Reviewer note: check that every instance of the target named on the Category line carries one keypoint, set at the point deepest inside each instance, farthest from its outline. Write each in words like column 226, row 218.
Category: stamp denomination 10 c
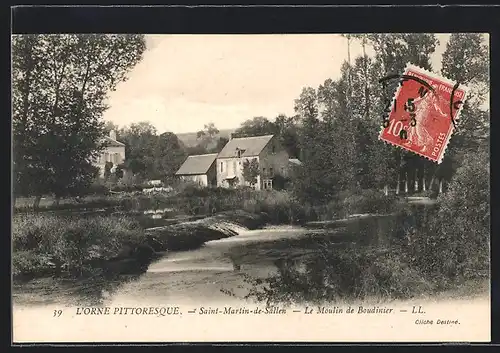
column 423, row 113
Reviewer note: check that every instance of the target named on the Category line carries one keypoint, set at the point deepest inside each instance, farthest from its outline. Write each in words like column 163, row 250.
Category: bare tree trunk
column 423, row 183
column 406, row 183
column 431, row 184
column 36, row 203
column 386, row 190
column 415, row 188
column 367, row 92
column 397, row 185
column 440, row 186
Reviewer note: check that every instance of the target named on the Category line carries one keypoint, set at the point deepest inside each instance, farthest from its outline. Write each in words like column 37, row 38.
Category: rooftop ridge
column 251, row 137
column 201, row 155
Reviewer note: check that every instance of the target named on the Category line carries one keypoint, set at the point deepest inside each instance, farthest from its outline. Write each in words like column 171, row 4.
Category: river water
column 182, row 276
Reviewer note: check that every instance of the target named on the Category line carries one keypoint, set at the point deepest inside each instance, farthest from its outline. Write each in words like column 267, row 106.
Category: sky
column 186, row 81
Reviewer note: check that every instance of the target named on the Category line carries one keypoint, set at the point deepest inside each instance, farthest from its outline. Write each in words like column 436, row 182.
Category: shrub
column 70, row 243
column 341, row 273
column 29, row 262
column 368, row 201
column 455, row 241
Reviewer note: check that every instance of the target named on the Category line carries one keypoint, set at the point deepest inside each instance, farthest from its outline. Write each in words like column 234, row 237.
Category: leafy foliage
column 59, row 86
column 251, row 171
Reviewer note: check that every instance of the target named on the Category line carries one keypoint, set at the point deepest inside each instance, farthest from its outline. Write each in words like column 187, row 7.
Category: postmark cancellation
column 423, row 113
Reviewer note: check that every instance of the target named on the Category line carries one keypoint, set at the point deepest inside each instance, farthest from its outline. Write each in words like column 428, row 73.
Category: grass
column 46, row 243
column 282, row 207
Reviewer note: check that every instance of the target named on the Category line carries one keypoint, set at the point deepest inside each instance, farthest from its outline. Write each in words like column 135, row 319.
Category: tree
column 251, row 171
column 466, row 61
column 107, row 170
column 209, row 131
column 59, row 86
column 169, row 155
column 306, row 107
column 257, row 126
column 207, row 136
column 288, row 134
column 140, row 142
column 221, row 142
column 392, row 53
column 110, row 126
column 119, row 171
column 457, row 243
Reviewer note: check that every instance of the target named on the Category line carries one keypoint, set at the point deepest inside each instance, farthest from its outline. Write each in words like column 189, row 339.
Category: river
column 217, row 270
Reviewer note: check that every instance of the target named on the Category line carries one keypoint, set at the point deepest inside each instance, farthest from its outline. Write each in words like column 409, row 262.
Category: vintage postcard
column 256, row 188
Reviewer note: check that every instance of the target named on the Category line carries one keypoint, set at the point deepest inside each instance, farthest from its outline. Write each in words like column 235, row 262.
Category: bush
column 455, row 241
column 29, row 262
column 368, row 201
column 280, row 206
column 72, row 244
column 341, row 273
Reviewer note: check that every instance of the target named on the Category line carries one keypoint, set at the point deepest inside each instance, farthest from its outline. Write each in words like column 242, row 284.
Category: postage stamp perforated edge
column 410, row 66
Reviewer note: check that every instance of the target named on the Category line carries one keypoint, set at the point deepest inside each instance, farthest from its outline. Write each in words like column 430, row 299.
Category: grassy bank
column 51, row 244
column 72, row 246
column 78, row 245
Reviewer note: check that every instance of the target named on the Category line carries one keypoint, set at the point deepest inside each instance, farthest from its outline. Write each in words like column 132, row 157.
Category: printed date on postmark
column 423, row 112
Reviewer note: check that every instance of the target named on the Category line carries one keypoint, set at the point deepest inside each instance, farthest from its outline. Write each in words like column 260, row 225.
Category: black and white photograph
column 250, row 187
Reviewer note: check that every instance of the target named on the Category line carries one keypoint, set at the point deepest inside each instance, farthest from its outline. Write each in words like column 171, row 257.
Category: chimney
column 112, row 134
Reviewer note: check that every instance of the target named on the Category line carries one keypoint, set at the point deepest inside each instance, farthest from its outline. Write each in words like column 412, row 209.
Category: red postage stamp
column 423, row 113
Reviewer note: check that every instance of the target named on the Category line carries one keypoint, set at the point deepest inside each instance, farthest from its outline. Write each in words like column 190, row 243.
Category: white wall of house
column 200, row 179
column 114, row 154
column 273, row 160
column 228, row 167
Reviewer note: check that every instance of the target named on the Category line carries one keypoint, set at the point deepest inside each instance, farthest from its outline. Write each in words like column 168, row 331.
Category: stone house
column 199, row 169
column 270, row 155
column 114, row 152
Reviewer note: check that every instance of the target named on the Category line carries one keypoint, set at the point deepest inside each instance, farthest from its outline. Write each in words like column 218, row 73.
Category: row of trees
column 149, row 155
column 340, row 120
column 60, row 83
column 335, row 129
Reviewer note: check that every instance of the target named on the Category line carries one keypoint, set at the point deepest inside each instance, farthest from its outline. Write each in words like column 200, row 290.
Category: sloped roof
column 251, row 145
column 295, row 161
column 198, row 164
column 111, row 142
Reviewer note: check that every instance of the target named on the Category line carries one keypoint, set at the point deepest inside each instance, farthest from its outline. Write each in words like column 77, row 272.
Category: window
column 274, row 149
column 271, row 171
column 221, row 167
column 268, row 184
column 263, row 171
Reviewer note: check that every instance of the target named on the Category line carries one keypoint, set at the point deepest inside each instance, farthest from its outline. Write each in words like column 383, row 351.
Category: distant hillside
column 189, row 138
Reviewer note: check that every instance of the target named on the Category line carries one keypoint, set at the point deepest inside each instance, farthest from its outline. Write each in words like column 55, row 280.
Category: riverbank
column 124, row 232
column 80, row 247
